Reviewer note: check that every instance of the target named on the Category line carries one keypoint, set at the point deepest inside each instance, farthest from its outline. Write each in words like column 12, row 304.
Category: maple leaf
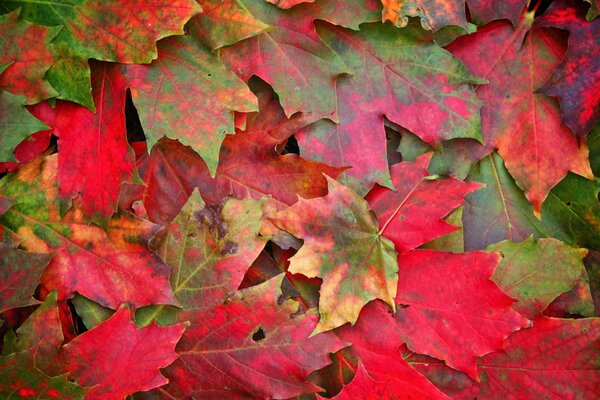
column 31, row 147
column 572, row 211
column 16, row 124
column 20, row 377
column 110, row 268
column 556, row 358
column 32, row 351
column 170, row 173
column 499, row 211
column 576, row 81
column 249, row 347
column 290, row 57
column 484, row 11
column 536, row 272
column 343, row 247
column 224, row 22
column 434, row 14
column 412, row 215
column 188, row 95
column 380, row 353
column 20, row 273
column 116, row 358
column 401, row 75
column 40, row 334
column 106, row 30
column 363, row 386
column 93, row 145
column 25, row 58
column 91, row 313
column 209, row 249
column 251, row 167
column 434, row 317
column 524, row 126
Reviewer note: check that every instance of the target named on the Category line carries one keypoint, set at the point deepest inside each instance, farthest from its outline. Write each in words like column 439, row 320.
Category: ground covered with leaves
column 299, row 199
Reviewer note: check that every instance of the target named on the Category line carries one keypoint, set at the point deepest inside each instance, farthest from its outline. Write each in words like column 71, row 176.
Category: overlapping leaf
column 25, row 58
column 251, row 167
column 117, row 358
column 290, row 57
column 435, row 14
column 342, row 246
column 94, row 157
column 576, row 81
column 412, row 215
column 210, row 249
column 524, row 126
column 434, row 317
column 107, row 30
column 401, row 75
column 557, row 358
column 15, row 124
column 536, row 272
column 380, row 354
column 19, row 276
column 188, row 95
column 111, row 268
column 249, row 347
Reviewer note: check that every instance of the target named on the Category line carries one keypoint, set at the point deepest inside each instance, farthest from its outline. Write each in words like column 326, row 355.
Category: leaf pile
column 299, row 199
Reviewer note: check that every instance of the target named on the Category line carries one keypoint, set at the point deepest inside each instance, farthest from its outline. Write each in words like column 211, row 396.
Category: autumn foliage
column 299, row 199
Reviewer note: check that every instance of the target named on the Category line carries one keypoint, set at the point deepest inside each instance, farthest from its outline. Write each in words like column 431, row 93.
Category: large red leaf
column 249, row 347
column 187, row 94
column 399, row 74
column 117, row 358
column 343, row 247
column 110, row 268
column 94, row 157
column 524, row 126
column 364, row 387
column 19, row 276
column 576, row 81
column 457, row 316
column 556, row 359
column 252, row 167
column 380, row 353
column 25, row 56
column 413, row 214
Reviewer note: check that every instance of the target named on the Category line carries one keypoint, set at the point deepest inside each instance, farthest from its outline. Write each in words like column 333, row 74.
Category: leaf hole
column 568, row 203
column 259, row 335
column 209, row 75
